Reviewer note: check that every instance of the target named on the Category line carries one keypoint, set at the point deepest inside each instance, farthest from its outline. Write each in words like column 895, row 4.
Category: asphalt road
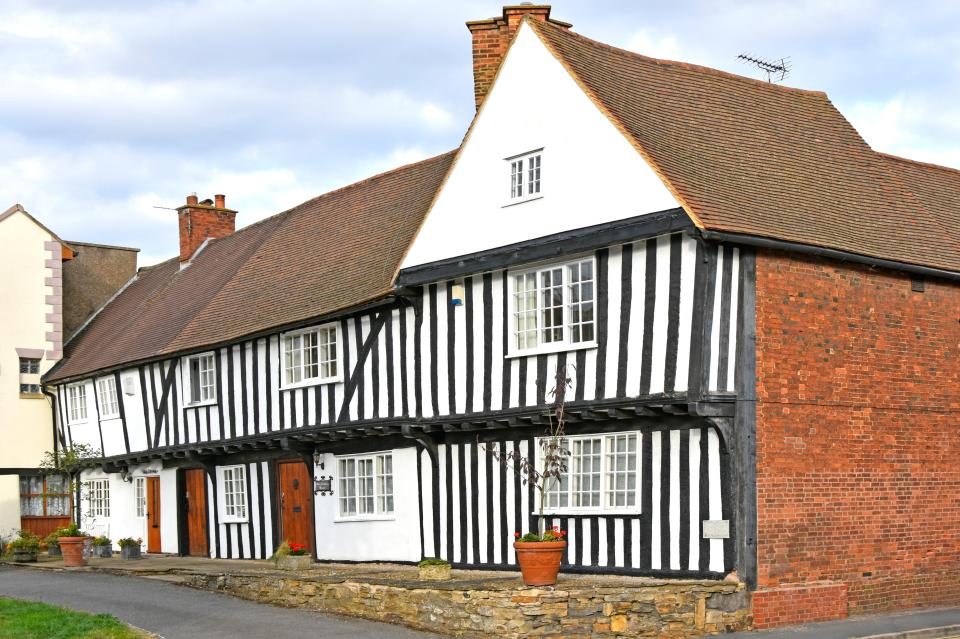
column 175, row 612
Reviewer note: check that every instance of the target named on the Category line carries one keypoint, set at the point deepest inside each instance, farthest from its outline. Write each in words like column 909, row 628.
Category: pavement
column 174, row 612
column 920, row 624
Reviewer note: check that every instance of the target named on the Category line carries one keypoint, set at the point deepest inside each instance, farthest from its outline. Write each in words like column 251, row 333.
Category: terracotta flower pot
column 539, row 561
column 72, row 549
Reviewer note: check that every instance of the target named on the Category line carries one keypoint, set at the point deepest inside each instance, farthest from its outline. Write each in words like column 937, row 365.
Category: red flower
column 516, row 534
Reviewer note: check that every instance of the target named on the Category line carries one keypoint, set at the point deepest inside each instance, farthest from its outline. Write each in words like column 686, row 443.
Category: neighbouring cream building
column 34, row 265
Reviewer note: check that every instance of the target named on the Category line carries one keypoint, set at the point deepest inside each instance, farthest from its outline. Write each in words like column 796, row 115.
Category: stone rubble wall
column 661, row 609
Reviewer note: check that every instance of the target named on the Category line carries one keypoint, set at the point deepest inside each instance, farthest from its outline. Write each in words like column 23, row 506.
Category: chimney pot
column 192, row 198
column 220, row 201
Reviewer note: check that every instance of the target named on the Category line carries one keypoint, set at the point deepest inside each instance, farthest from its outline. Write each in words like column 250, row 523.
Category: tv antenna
column 776, row 70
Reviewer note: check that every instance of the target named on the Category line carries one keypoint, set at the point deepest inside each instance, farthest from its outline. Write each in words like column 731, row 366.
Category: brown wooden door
column 153, row 514
column 296, row 500
column 195, row 483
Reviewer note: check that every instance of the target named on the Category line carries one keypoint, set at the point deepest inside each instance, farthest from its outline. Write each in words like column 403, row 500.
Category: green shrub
column 433, row 561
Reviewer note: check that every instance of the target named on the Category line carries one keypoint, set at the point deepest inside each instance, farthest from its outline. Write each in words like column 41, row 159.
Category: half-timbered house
column 342, row 373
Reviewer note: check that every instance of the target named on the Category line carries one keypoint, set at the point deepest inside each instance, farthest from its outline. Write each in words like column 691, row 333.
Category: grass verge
column 33, row 620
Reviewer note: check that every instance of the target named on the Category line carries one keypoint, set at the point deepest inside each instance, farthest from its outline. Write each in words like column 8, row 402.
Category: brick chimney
column 202, row 220
column 492, row 36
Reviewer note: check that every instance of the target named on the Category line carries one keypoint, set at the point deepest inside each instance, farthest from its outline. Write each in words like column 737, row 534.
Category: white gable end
column 590, row 173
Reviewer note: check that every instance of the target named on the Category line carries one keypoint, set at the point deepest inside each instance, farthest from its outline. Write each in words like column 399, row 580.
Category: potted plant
column 53, row 544
column 539, row 554
column 432, row 569
column 130, row 548
column 25, row 547
column 102, row 547
column 292, row 556
column 72, row 542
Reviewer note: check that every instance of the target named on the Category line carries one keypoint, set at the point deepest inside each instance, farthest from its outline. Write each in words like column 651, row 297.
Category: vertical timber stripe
column 388, row 334
column 673, row 313
column 649, row 304
column 602, row 313
column 451, row 350
column 262, row 517
column 626, row 297
column 470, row 364
column 487, row 339
column 646, row 500
column 434, row 391
column 724, row 350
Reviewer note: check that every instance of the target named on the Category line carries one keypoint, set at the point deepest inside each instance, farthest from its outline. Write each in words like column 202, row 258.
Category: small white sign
column 716, row 528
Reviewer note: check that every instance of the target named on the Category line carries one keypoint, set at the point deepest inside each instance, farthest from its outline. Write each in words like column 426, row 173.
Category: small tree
column 554, row 453
column 70, row 461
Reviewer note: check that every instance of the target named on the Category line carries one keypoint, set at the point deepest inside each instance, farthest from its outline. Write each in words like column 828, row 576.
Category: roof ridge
column 676, row 63
column 931, row 165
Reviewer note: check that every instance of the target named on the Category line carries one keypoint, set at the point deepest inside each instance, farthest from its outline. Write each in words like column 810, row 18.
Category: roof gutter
column 834, row 254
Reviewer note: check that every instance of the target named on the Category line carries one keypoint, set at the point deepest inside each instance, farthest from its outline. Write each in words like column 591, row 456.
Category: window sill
column 522, row 201
column 233, row 520
column 31, row 395
column 553, row 348
column 599, row 512
column 312, row 382
column 108, row 418
column 77, row 423
column 208, row 402
column 346, row 520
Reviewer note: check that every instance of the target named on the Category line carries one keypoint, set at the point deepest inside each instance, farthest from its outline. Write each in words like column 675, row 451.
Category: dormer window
column 525, row 176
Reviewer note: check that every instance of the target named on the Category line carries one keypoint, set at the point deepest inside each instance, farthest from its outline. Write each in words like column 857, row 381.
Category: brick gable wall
column 858, row 440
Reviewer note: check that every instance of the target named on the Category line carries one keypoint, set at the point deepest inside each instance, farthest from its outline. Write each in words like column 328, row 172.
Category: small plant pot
column 24, row 556
column 54, row 551
column 437, row 572
column 72, row 549
column 295, row 562
column 130, row 552
column 104, row 552
column 539, row 561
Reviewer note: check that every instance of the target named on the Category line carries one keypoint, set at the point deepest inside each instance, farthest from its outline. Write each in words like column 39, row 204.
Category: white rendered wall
column 9, row 505
column 590, row 173
column 123, row 520
column 396, row 538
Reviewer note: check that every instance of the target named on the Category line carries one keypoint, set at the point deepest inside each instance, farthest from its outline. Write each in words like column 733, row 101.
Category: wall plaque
column 716, row 528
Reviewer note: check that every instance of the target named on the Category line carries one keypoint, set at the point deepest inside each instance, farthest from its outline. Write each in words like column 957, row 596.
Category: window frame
column 188, row 388
column 605, row 488
column 378, row 514
column 140, row 497
column 45, row 494
column 79, row 386
column 98, row 497
column 101, row 404
column 225, row 515
column 564, row 345
column 320, row 379
column 527, row 193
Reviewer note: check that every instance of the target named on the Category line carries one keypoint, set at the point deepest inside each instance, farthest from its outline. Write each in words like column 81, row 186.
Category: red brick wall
column 793, row 604
column 858, row 436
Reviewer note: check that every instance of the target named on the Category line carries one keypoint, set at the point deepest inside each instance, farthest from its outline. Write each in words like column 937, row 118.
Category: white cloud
column 645, row 42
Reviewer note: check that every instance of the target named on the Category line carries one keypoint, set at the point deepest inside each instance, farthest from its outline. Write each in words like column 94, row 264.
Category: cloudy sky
column 110, row 108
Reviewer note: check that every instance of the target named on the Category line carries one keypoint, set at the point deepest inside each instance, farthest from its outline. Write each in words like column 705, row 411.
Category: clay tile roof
column 745, row 156
column 331, row 253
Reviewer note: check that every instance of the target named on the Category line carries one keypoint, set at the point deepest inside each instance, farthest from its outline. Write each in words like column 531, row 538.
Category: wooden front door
column 195, row 484
column 153, row 514
column 296, row 500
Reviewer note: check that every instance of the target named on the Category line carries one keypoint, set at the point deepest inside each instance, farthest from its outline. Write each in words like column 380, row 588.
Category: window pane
column 580, row 302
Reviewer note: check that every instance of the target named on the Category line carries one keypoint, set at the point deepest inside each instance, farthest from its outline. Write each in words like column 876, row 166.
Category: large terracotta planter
column 72, row 549
column 539, row 561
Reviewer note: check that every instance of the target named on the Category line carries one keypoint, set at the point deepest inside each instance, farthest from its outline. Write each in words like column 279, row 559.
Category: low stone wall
column 645, row 608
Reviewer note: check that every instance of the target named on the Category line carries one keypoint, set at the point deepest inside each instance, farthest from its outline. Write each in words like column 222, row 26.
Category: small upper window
column 311, row 356
column 107, row 396
column 29, row 366
column 77, row 403
column 525, row 176
column 202, row 371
